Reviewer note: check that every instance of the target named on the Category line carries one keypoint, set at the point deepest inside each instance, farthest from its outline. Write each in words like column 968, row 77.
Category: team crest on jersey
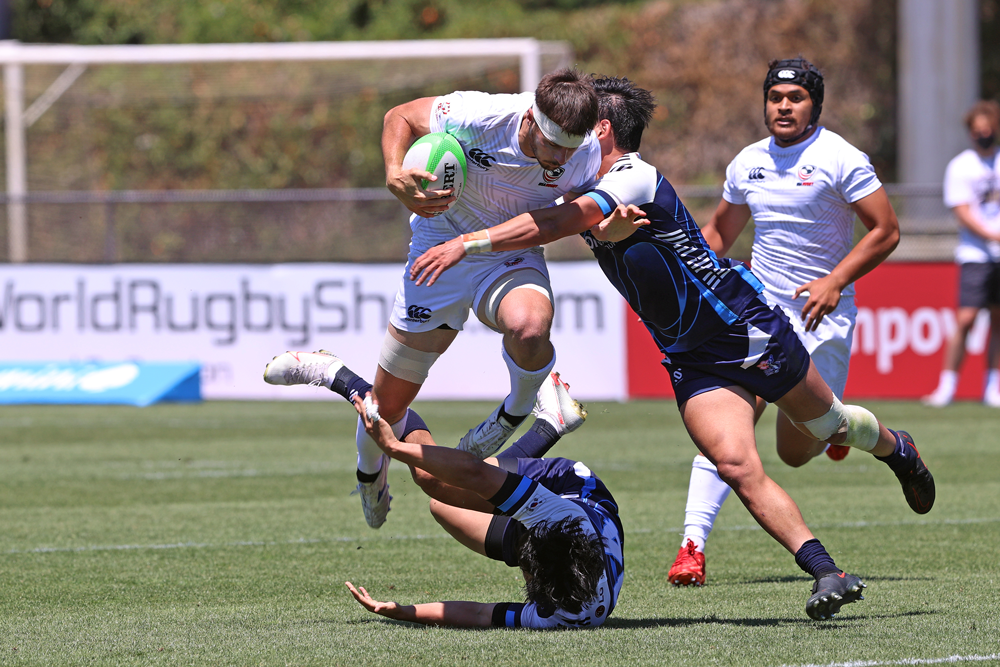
column 769, row 366
column 481, row 159
column 443, row 108
column 550, row 176
column 806, row 172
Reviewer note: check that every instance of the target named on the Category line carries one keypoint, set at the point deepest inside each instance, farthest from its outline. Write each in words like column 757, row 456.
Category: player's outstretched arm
column 620, row 224
column 877, row 215
column 451, row 466
column 451, row 614
column 524, row 231
column 402, row 126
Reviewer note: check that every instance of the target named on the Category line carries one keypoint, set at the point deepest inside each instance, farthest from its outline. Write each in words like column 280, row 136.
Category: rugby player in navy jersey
column 551, row 517
column 722, row 344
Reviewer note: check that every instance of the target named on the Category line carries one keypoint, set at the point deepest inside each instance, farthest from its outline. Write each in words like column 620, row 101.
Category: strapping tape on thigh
column 404, row 362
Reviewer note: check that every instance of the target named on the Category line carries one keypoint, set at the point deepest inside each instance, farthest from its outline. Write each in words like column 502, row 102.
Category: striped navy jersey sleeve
column 665, row 270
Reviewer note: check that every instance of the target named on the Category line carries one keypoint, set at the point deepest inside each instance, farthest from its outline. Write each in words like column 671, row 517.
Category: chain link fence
column 333, row 225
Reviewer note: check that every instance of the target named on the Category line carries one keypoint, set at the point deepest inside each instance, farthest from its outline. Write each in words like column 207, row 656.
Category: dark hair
column 988, row 108
column 627, row 107
column 568, row 98
column 565, row 564
column 800, row 72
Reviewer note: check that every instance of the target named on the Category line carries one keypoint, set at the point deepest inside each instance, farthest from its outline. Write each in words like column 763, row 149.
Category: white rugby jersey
column 800, row 199
column 969, row 179
column 502, row 181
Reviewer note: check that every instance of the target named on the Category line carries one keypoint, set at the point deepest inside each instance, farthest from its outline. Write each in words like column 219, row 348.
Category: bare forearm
column 449, row 614
column 450, row 466
column 870, row 251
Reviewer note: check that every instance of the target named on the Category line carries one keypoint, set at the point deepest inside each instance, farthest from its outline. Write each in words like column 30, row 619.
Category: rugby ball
column 442, row 155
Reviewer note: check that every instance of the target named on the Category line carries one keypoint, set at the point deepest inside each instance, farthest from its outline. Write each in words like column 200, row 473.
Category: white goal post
column 14, row 56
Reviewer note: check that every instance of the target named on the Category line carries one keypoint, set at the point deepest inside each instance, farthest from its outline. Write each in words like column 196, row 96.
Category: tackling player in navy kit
column 722, row 344
column 553, row 518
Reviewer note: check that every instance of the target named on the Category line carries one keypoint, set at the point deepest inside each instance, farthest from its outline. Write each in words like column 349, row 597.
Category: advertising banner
column 906, row 313
column 123, row 383
column 232, row 319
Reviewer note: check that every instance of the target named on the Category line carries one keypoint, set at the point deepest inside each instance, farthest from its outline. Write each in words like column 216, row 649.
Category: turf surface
column 222, row 534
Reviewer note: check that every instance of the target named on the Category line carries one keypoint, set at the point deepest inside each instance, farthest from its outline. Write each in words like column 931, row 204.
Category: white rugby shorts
column 830, row 344
column 465, row 286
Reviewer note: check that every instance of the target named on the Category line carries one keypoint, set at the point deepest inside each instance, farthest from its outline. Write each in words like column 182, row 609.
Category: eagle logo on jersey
column 805, row 173
column 442, row 109
column 550, row 176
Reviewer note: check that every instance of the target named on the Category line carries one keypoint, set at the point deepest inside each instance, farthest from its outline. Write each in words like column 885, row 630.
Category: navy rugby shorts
column 760, row 352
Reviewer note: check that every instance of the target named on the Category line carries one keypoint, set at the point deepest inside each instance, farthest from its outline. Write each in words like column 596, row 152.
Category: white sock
column 369, row 454
column 992, row 383
column 523, row 385
column 706, row 493
column 947, row 383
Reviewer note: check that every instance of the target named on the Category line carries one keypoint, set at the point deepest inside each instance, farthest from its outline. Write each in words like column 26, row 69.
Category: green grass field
column 222, row 533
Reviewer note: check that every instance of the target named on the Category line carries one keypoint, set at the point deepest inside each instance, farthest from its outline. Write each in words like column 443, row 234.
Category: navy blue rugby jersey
column 665, row 270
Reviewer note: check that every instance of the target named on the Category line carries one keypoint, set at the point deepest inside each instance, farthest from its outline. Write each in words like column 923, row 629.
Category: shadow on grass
column 632, row 623
column 795, row 579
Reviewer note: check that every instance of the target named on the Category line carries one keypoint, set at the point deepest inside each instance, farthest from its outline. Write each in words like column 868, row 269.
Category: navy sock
column 902, row 457
column 813, row 559
column 534, row 444
column 513, row 420
column 347, row 383
column 366, row 478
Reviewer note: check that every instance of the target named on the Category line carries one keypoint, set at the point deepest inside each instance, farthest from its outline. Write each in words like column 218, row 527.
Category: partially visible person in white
column 972, row 192
column 803, row 186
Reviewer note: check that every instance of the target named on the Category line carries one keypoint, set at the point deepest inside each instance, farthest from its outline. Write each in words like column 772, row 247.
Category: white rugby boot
column 487, row 438
column 375, row 496
column 554, row 404
column 316, row 369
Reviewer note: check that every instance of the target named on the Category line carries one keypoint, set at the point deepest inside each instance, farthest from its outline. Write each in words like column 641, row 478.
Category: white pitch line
column 206, row 545
column 907, row 661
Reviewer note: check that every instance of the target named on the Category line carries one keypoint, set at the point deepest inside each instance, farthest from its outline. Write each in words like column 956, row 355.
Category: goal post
column 451, row 55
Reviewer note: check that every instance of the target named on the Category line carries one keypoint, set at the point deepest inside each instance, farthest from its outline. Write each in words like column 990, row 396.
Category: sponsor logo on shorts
column 594, row 243
column 550, row 176
column 513, row 262
column 756, row 174
column 417, row 314
column 769, row 366
column 481, row 159
column 677, row 375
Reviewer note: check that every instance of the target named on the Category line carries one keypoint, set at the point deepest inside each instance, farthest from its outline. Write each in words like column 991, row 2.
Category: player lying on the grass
column 803, row 255
column 551, row 517
column 722, row 344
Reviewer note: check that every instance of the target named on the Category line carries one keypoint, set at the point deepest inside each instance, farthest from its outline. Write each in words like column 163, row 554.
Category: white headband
column 553, row 132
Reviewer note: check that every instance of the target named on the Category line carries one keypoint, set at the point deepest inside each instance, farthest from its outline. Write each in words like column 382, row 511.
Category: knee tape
column 859, row 425
column 404, row 362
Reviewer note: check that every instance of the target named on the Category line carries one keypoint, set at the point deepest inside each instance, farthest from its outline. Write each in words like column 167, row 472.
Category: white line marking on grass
column 208, row 545
column 906, row 661
column 849, row 524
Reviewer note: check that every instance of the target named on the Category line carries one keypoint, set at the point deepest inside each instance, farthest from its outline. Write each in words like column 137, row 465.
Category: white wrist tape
column 477, row 242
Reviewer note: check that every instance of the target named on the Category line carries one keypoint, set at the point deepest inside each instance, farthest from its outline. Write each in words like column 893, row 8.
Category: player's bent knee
column 852, row 425
column 405, row 362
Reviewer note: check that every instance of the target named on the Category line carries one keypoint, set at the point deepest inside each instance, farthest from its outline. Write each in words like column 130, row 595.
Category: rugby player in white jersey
column 803, row 186
column 523, row 151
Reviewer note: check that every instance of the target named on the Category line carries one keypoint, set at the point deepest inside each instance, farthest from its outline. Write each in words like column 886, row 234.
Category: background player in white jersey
column 803, row 186
column 524, row 151
column 722, row 344
column 972, row 192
